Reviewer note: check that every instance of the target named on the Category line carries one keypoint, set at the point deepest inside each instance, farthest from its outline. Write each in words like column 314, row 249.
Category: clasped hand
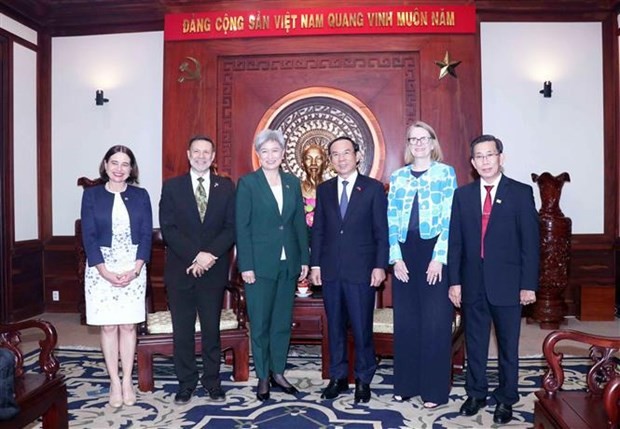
column 202, row 262
column 118, row 279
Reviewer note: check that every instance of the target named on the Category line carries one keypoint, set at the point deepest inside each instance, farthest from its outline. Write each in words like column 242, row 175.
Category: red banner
column 320, row 21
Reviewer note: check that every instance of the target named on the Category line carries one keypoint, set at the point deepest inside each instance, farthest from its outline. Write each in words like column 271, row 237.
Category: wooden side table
column 310, row 327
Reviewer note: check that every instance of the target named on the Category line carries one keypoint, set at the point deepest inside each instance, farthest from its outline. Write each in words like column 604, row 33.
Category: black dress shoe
column 362, row 391
column 183, row 395
column 335, row 387
column 278, row 380
column 399, row 398
column 472, row 405
column 262, row 389
column 502, row 414
column 216, row 393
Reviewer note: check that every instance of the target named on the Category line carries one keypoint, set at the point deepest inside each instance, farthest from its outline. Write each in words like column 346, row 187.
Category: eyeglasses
column 487, row 157
column 419, row 140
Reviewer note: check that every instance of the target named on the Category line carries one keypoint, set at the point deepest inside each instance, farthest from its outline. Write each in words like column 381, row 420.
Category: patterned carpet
column 88, row 389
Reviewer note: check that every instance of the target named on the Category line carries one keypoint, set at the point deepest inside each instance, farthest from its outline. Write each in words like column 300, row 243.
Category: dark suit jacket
column 350, row 248
column 96, row 219
column 185, row 235
column 262, row 230
column 511, row 244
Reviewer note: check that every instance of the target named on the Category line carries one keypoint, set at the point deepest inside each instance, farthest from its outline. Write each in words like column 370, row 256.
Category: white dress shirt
column 483, row 191
column 351, row 181
column 206, row 183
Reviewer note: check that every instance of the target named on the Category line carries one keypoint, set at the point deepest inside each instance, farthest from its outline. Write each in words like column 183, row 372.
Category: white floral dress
column 107, row 304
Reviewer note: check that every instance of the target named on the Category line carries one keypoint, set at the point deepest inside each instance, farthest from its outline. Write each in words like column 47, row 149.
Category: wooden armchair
column 83, row 182
column 38, row 394
column 596, row 407
column 383, row 337
column 155, row 335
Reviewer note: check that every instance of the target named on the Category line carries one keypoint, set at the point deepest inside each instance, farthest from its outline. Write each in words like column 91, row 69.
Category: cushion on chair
column 383, row 321
column 160, row 322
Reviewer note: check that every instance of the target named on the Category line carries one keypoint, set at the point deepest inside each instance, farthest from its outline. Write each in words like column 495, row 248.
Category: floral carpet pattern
column 88, row 389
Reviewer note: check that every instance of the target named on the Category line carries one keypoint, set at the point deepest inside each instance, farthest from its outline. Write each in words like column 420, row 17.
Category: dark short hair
column 356, row 147
column 486, row 138
column 201, row 137
column 133, row 173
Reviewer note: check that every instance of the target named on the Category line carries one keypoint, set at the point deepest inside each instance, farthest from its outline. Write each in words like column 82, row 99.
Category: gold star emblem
column 446, row 66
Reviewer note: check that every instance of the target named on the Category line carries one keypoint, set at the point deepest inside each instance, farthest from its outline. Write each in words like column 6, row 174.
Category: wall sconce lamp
column 99, row 98
column 546, row 91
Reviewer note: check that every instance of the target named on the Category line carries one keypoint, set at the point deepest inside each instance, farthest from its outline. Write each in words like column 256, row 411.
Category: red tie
column 486, row 213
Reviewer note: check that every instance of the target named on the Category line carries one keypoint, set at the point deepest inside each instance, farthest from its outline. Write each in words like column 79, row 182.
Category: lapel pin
column 358, row 188
column 498, row 201
column 286, row 186
column 216, row 184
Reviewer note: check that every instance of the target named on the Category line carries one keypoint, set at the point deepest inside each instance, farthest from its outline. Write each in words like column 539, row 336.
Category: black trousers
column 206, row 301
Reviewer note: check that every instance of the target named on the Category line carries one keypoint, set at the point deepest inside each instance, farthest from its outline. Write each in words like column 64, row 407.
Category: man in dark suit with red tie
column 349, row 254
column 197, row 219
column 493, row 259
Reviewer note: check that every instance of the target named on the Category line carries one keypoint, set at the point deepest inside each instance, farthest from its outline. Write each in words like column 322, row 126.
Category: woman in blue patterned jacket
column 419, row 206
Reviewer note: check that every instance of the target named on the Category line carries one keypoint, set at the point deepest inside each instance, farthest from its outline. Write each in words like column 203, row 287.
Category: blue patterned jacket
column 435, row 190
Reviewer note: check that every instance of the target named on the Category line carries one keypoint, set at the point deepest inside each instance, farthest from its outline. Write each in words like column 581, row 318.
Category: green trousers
column 270, row 309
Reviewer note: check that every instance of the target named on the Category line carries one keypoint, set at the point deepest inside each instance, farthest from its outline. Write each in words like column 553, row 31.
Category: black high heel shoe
column 262, row 390
column 279, row 381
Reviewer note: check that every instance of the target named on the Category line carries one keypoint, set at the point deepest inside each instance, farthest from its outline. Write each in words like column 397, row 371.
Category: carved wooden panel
column 396, row 78
column 385, row 82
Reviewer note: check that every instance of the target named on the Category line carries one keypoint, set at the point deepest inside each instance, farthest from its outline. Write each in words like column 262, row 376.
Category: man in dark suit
column 349, row 254
column 197, row 219
column 493, row 259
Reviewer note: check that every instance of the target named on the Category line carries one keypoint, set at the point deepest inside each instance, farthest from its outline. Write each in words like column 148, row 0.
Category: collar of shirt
column 206, row 183
column 483, row 191
column 351, row 179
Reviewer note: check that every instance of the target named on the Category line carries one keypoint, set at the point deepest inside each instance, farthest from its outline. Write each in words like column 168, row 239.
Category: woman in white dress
column 117, row 228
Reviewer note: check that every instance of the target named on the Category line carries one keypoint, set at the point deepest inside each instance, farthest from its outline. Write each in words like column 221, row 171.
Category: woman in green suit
column 272, row 255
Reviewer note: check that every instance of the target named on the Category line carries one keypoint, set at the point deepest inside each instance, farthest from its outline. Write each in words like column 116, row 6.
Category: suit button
column 281, row 227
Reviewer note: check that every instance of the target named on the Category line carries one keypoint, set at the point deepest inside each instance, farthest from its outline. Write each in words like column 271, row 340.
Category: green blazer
column 261, row 229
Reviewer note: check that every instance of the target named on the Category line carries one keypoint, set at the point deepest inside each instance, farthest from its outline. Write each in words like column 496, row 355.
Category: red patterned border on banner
column 320, row 21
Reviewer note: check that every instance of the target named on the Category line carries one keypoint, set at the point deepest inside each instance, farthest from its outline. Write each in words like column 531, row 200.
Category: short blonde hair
column 436, row 153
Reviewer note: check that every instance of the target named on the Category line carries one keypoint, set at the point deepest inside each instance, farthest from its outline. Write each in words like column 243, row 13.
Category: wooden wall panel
column 590, row 264
column 228, row 100
column 26, row 292
column 61, row 275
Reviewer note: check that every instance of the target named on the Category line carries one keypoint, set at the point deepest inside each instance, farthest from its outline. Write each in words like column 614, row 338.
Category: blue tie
column 344, row 199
